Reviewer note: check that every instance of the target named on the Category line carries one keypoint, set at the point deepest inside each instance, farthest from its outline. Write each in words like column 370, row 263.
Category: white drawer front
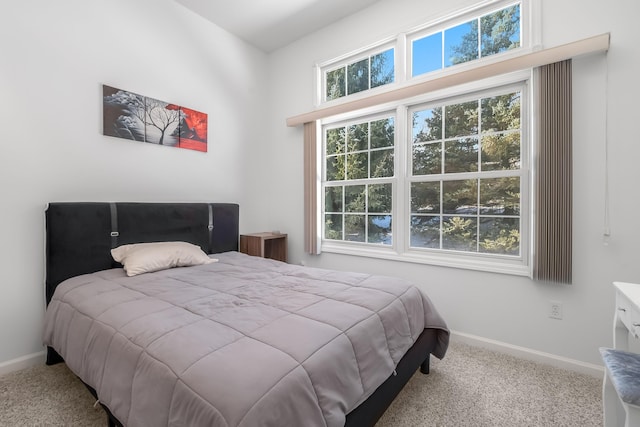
column 625, row 309
column 629, row 314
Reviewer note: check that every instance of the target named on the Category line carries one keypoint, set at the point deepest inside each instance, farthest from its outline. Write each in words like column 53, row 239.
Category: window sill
column 477, row 262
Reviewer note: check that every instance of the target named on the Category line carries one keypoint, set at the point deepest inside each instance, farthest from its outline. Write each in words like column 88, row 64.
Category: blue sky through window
column 427, row 54
column 420, row 122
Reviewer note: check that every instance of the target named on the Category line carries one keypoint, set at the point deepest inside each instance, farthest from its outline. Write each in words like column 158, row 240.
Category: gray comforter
column 245, row 341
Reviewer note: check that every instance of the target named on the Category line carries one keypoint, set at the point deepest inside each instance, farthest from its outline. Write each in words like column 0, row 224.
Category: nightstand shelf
column 266, row 245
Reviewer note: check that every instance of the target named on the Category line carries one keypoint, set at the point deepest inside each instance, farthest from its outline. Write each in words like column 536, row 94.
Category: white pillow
column 141, row 258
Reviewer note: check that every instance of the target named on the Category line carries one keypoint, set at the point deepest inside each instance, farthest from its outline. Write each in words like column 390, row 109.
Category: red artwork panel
column 192, row 130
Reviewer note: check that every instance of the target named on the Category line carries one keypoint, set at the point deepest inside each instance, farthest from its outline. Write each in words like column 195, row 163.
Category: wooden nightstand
column 267, row 245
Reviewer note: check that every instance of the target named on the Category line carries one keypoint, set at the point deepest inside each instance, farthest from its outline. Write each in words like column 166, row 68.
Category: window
column 358, row 194
column 449, row 184
column 429, row 187
column 488, row 30
column 465, row 175
column 360, row 75
column 442, row 178
column 477, row 38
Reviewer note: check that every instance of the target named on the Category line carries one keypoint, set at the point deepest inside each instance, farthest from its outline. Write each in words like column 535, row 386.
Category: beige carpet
column 476, row 387
column 470, row 387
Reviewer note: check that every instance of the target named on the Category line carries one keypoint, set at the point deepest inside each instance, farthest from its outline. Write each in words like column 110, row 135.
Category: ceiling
column 272, row 24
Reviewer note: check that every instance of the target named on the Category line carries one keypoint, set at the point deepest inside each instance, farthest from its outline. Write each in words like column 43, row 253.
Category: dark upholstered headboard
column 80, row 236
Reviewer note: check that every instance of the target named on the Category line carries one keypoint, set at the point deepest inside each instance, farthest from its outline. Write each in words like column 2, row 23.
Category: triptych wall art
column 139, row 118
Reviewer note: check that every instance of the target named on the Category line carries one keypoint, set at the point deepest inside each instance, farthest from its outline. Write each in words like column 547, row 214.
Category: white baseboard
column 23, row 362
column 529, row 354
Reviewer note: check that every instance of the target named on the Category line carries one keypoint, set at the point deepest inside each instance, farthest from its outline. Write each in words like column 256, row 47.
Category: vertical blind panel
column 554, row 206
column 310, row 189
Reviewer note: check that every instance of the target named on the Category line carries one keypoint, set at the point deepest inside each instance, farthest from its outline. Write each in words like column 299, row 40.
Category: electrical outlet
column 555, row 310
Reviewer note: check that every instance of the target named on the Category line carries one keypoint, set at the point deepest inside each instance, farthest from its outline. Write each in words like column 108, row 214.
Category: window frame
column 352, row 58
column 323, row 182
column 400, row 248
column 529, row 35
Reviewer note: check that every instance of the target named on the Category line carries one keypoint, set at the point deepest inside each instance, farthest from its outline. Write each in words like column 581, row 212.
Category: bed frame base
column 370, row 411
column 53, row 357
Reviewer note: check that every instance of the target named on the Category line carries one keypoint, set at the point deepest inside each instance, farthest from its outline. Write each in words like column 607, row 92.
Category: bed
column 233, row 341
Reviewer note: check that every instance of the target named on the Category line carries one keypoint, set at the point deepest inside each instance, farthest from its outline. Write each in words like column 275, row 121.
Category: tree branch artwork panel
column 131, row 116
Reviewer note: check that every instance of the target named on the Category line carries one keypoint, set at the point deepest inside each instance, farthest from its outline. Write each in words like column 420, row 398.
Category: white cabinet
column 627, row 316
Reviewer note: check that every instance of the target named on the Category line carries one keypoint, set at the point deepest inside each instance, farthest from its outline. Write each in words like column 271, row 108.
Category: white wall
column 504, row 308
column 55, row 57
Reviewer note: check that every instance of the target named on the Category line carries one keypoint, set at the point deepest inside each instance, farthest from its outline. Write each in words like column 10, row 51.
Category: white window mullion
column 401, row 190
column 320, row 84
column 402, row 60
column 442, row 50
column 479, row 30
